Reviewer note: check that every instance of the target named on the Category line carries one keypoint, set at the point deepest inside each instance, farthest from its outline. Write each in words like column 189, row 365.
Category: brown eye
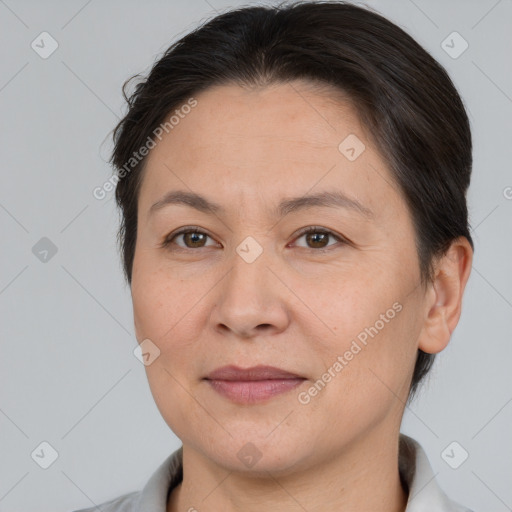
column 318, row 238
column 191, row 239
column 194, row 239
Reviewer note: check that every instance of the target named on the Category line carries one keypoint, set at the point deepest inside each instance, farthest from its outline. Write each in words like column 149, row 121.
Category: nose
column 250, row 301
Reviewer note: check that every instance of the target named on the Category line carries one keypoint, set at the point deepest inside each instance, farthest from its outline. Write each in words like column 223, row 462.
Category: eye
column 318, row 238
column 192, row 237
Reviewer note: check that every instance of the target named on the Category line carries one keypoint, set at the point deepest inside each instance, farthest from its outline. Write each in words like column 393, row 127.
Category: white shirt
column 425, row 495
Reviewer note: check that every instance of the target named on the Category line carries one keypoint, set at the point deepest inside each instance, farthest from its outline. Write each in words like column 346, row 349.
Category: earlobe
column 443, row 301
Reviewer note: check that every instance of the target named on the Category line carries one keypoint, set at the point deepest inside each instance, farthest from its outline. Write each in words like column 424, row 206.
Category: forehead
column 260, row 145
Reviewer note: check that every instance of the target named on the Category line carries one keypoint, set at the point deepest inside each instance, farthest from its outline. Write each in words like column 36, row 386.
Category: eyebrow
column 335, row 199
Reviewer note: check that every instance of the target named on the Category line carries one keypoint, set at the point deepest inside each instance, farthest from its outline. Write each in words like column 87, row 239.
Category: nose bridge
column 249, row 296
column 248, row 274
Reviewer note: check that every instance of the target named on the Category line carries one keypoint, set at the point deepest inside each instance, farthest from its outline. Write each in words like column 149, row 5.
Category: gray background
column 68, row 373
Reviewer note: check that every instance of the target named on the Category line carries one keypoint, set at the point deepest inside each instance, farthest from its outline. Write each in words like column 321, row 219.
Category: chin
column 258, row 455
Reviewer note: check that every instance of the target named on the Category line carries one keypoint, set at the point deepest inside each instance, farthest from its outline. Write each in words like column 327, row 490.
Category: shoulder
column 124, row 503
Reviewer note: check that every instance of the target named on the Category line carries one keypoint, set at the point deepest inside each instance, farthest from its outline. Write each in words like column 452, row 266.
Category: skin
column 294, row 307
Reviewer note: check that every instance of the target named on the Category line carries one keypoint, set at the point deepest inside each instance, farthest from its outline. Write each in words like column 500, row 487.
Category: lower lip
column 254, row 391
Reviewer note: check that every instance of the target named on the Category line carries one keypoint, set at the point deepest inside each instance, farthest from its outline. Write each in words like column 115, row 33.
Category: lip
column 252, row 385
column 260, row 372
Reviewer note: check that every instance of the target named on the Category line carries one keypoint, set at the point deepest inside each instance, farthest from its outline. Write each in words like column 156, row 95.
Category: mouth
column 252, row 385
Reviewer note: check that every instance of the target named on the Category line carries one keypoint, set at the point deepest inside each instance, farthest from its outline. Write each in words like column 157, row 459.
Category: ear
column 444, row 296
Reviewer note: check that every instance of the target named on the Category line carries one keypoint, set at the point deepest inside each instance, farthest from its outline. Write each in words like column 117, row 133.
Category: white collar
column 425, row 494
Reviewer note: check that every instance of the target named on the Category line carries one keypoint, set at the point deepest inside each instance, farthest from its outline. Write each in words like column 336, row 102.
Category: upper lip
column 260, row 372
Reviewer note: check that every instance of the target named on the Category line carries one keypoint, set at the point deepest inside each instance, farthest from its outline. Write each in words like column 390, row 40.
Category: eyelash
column 311, row 229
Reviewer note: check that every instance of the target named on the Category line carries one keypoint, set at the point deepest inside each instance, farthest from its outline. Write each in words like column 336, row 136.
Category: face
column 340, row 307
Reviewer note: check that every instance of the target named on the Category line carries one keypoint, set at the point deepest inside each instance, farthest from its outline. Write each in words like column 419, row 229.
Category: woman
column 292, row 182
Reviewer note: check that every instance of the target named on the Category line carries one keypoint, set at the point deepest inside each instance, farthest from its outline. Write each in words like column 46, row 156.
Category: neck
column 364, row 477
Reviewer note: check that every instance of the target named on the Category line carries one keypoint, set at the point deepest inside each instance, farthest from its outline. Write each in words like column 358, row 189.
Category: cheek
column 168, row 312
column 160, row 312
column 158, row 302
column 372, row 345
column 351, row 305
column 148, row 302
